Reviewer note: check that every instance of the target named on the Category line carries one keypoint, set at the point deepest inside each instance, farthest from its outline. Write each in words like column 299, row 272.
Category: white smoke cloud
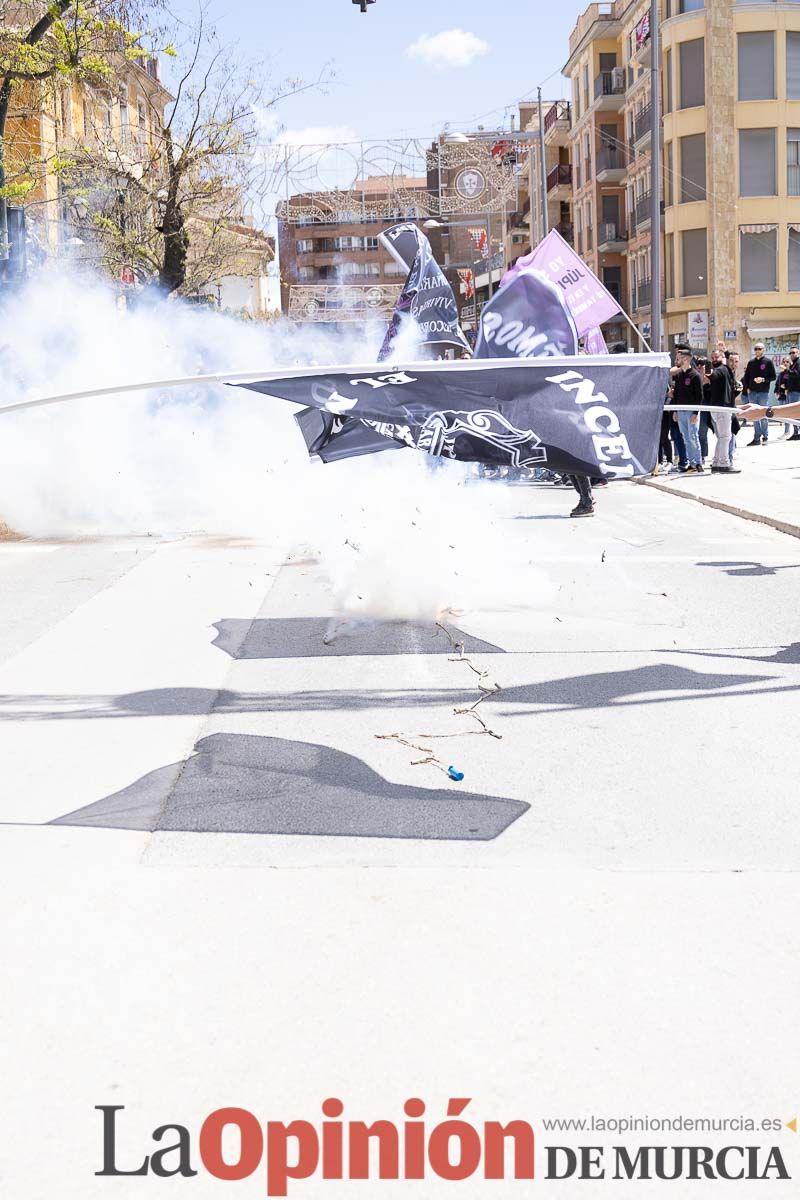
column 397, row 538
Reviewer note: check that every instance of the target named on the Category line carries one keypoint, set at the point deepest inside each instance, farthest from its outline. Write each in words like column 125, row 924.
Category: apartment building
column 557, row 185
column 732, row 150
column 730, row 85
column 330, row 239
column 599, row 150
column 46, row 126
column 472, row 203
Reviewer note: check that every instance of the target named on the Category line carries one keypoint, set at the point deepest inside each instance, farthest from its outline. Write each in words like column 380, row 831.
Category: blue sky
column 492, row 55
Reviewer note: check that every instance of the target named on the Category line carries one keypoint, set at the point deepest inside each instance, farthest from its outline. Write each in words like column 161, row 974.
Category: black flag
column 584, row 416
column 428, row 300
column 427, row 297
column 528, row 318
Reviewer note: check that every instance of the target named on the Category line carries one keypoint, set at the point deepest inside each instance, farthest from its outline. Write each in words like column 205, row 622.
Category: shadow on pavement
column 240, row 783
column 612, row 687
column 789, row 655
column 572, row 692
column 302, row 637
column 749, row 568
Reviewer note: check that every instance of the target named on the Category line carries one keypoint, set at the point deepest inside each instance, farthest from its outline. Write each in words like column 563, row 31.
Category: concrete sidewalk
column 768, row 489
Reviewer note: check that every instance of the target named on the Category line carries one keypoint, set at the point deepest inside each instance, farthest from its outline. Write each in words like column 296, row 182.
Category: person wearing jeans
column 759, row 374
column 689, row 391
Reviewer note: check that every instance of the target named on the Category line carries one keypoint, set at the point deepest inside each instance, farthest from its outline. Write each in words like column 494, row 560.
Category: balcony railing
column 641, row 124
column 561, row 111
column 610, row 83
column 560, row 176
column 611, row 232
column 643, row 211
column 610, row 158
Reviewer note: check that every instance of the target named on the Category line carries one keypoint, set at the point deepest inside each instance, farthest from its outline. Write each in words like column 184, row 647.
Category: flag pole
column 638, row 332
column 543, row 171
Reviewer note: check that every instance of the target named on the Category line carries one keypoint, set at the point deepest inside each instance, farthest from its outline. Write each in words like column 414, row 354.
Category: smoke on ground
column 398, row 539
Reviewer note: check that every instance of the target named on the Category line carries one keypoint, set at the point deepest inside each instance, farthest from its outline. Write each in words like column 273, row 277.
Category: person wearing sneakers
column 759, row 374
column 721, row 396
column 793, row 390
column 689, row 390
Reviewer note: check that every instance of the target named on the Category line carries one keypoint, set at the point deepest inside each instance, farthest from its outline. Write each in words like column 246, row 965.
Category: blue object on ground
column 454, row 774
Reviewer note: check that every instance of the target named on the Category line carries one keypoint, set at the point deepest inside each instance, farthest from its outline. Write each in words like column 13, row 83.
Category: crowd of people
column 716, row 382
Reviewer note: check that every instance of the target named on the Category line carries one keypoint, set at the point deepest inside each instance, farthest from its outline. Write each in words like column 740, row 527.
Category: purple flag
column 595, row 343
column 587, row 299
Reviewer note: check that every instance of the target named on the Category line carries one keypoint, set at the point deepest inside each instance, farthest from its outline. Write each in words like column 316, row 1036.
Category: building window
column 612, row 281
column 793, row 161
column 669, row 267
column 668, row 82
column 794, row 259
column 142, row 117
column 792, row 65
column 306, row 274
column 693, row 168
column 394, row 268
column 304, row 246
column 759, row 259
column 669, row 190
column 694, row 262
column 756, row 66
column 124, row 117
column 757, row 175
column 693, row 73
column 685, row 6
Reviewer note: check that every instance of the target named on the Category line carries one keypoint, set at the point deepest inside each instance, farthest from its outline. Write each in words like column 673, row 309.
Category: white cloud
column 451, row 48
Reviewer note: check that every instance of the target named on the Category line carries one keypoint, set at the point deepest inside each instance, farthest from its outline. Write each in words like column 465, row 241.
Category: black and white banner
column 588, row 416
column 427, row 297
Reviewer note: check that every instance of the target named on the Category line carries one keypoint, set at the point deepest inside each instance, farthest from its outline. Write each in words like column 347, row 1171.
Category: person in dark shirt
column 793, row 394
column 721, row 395
column 759, row 374
column 705, row 425
column 689, row 391
column 783, row 385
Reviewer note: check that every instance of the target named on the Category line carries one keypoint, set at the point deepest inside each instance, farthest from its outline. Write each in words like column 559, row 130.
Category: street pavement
column 766, row 491
column 232, row 877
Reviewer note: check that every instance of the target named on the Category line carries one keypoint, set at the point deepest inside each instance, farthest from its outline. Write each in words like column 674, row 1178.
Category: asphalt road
column 600, row 917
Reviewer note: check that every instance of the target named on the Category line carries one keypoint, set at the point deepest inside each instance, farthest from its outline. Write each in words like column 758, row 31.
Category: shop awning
column 767, row 329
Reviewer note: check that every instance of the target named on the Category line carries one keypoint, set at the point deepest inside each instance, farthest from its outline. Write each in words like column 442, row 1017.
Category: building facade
column 47, row 126
column 732, row 150
column 332, row 265
column 730, row 154
column 471, row 203
column 554, row 187
column 600, row 152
